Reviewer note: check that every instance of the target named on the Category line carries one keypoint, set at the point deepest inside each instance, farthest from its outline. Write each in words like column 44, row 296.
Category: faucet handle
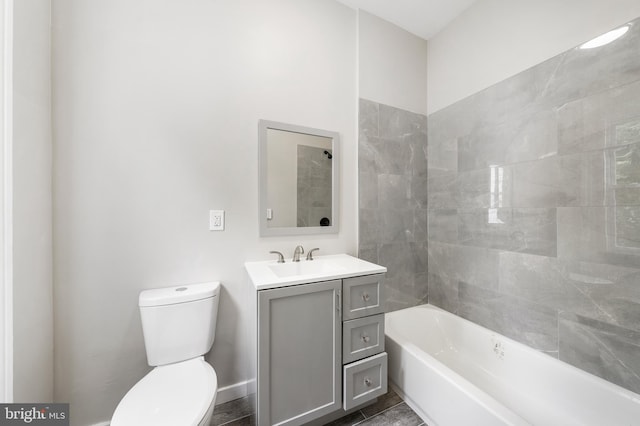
column 310, row 253
column 280, row 256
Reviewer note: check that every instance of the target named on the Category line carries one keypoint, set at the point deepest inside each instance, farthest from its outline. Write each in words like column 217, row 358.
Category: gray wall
column 392, row 157
column 32, row 249
column 534, row 208
column 392, row 173
column 156, row 109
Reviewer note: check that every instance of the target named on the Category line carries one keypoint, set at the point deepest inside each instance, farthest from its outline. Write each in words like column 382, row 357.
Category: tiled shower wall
column 392, row 172
column 534, row 208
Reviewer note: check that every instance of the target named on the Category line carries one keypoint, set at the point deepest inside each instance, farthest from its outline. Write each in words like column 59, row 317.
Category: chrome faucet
column 296, row 254
column 310, row 253
column 280, row 256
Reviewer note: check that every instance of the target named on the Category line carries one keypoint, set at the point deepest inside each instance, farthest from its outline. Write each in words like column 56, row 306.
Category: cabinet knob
column 365, row 338
column 367, row 381
column 366, row 297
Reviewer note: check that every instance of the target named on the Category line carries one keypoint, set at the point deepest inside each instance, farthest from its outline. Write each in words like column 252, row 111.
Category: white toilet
column 179, row 325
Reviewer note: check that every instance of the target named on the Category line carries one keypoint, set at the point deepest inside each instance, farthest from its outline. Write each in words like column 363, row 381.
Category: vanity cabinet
column 299, row 353
column 320, row 349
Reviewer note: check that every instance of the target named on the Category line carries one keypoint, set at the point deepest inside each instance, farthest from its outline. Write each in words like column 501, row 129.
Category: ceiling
column 423, row 18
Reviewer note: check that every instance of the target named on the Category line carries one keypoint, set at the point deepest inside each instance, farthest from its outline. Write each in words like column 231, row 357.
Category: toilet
column 179, row 326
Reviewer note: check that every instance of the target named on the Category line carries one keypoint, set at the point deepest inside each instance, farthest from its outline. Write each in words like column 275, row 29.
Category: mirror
column 298, row 171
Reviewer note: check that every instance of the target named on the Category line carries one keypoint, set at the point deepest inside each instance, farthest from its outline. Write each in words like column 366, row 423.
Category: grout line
column 235, row 420
column 378, row 413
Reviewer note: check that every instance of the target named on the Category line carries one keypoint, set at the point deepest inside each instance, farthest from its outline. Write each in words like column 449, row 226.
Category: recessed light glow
column 606, row 38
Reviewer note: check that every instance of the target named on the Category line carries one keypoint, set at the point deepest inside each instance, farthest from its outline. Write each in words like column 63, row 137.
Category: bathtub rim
column 399, row 337
column 454, row 379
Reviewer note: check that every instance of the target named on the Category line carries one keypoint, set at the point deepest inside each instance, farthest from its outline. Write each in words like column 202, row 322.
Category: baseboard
column 231, row 392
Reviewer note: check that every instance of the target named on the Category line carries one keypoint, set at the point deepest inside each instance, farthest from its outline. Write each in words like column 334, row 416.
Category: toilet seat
column 170, row 395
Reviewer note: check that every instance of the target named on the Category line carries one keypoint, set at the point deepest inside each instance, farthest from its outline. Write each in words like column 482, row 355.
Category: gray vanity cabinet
column 299, row 353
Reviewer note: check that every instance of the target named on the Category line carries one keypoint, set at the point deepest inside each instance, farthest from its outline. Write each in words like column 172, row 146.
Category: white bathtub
column 454, row 372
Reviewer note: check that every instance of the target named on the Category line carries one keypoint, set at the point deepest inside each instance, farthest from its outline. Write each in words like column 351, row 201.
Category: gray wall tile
column 474, row 189
column 530, row 136
column 369, row 154
column 528, row 194
column 582, row 178
column 419, row 192
column 393, row 194
column 534, row 184
column 598, row 291
column 419, row 156
column 369, row 226
column 443, row 225
column 368, row 116
column 443, row 292
column 529, row 323
column 395, row 157
column 406, row 291
column 533, row 197
column 606, row 119
column 442, row 157
column 396, row 226
column 455, row 263
column 607, row 177
column 401, row 260
column 584, row 72
column 522, row 230
column 394, row 191
column 600, row 234
column 368, row 190
column 368, row 252
column 399, row 124
column 420, row 225
column 442, row 191
column 605, row 350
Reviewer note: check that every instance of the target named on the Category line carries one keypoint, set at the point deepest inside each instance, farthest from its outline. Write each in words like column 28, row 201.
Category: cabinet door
column 299, row 353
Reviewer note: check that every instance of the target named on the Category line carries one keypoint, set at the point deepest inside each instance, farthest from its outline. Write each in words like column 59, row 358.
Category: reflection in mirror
column 298, row 180
column 623, row 187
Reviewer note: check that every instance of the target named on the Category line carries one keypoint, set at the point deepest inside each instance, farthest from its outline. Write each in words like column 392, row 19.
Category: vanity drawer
column 362, row 337
column 364, row 380
column 362, row 296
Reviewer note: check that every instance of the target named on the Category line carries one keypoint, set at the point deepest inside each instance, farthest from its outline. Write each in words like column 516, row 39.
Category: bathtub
column 454, row 372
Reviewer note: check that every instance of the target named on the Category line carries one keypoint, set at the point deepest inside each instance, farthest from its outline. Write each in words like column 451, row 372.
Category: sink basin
column 307, row 267
column 271, row 274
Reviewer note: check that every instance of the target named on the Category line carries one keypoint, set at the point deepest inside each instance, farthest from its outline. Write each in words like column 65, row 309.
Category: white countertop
column 271, row 274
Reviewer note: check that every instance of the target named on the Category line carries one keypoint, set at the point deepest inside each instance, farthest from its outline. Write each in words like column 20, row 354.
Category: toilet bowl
column 178, row 394
column 179, row 328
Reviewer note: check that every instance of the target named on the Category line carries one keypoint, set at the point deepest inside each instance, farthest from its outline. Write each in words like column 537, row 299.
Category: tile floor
column 390, row 409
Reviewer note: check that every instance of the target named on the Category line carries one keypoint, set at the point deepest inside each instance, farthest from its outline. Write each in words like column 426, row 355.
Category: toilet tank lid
column 179, row 294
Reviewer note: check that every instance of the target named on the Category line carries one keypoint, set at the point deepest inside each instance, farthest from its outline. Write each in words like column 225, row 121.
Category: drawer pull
column 365, row 338
column 366, row 297
column 367, row 381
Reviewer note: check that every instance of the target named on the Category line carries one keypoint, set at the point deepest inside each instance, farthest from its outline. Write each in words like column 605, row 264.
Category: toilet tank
column 179, row 323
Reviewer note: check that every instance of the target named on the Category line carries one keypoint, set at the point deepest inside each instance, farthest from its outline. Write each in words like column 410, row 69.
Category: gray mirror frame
column 265, row 231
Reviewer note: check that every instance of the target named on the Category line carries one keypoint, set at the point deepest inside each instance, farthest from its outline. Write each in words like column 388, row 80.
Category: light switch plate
column 216, row 220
